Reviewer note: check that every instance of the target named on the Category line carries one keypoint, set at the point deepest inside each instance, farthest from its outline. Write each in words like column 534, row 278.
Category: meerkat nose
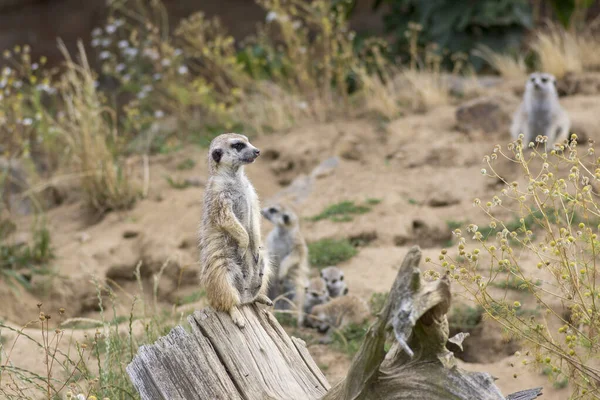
column 256, row 152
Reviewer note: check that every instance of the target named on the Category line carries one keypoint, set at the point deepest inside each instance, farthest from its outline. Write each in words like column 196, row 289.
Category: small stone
column 83, row 237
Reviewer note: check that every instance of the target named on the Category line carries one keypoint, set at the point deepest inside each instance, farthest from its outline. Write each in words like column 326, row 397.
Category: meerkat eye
column 532, row 79
column 315, row 294
column 238, row 146
column 286, row 218
column 334, row 281
column 544, row 80
column 272, row 210
column 342, row 278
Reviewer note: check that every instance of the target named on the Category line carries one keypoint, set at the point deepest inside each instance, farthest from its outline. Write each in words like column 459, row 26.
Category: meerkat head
column 280, row 215
column 230, row 151
column 334, row 280
column 541, row 85
column 323, row 320
column 316, row 292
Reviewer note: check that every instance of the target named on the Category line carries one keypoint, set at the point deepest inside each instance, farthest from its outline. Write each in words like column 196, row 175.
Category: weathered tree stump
column 217, row 360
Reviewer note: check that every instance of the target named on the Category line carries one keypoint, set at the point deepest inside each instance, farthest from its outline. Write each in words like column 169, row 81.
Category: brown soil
column 424, row 171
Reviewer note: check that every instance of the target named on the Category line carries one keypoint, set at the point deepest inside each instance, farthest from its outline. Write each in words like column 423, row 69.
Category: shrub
column 558, row 196
column 458, row 26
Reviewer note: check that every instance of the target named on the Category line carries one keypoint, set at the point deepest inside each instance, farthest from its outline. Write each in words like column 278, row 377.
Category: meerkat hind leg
column 263, row 299
column 237, row 317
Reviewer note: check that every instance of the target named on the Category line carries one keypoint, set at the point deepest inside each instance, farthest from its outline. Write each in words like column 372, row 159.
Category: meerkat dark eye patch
column 315, row 294
column 334, row 281
column 239, row 146
column 544, row 80
column 342, row 278
column 272, row 210
column 217, row 154
column 286, row 219
column 532, row 79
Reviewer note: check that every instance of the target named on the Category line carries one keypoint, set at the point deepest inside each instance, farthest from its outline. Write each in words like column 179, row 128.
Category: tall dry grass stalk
column 508, row 66
column 558, row 51
column 87, row 129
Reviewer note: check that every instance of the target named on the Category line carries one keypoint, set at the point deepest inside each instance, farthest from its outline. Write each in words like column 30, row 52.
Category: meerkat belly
column 249, row 278
column 540, row 120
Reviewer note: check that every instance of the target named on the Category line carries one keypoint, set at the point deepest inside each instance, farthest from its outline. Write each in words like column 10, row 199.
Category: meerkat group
column 235, row 267
column 540, row 113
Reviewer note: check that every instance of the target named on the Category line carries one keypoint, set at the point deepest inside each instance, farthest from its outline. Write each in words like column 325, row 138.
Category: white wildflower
column 302, row 50
column 97, row 32
column 95, row 42
column 131, row 52
column 123, row 44
column 126, row 78
column 35, row 66
column 156, row 76
column 119, row 23
column 159, row 114
column 81, row 397
column 303, row 105
column 120, row 67
column 182, row 70
column 483, row 171
column 165, row 62
column 17, row 84
column 105, row 55
column 178, row 52
column 110, row 29
column 271, row 16
column 27, row 121
column 297, row 24
column 106, row 42
column 6, row 71
column 142, row 95
column 2, row 83
column 147, row 88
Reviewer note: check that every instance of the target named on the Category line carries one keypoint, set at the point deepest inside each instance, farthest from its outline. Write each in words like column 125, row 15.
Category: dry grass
column 506, row 65
column 422, row 90
column 85, row 126
column 558, row 51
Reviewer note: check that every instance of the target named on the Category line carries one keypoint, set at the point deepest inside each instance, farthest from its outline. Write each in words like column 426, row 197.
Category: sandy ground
column 424, row 171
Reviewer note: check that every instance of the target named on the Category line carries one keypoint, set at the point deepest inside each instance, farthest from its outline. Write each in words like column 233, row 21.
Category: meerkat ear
column 286, row 219
column 217, row 154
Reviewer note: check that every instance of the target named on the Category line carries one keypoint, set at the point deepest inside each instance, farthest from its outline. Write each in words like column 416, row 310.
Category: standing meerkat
column 288, row 254
column 540, row 113
column 334, row 279
column 339, row 313
column 316, row 293
column 234, row 266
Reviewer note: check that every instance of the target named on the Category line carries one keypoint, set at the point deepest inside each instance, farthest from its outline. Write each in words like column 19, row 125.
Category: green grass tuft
column 327, row 252
column 344, row 211
column 188, row 163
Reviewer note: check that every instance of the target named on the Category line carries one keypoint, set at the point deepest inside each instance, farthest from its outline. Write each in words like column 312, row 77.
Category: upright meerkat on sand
column 339, row 313
column 234, row 266
column 334, row 279
column 540, row 112
column 288, row 254
column 316, row 293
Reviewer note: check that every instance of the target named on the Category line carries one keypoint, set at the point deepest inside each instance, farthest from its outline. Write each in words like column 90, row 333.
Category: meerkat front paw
column 261, row 298
column 237, row 317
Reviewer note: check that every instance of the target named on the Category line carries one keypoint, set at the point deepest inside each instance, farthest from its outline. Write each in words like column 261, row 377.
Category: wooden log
column 217, row 360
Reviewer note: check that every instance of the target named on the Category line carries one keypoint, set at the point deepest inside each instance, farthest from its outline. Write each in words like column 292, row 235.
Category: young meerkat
column 540, row 113
column 288, row 254
column 234, row 265
column 316, row 293
column 334, row 279
column 339, row 313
